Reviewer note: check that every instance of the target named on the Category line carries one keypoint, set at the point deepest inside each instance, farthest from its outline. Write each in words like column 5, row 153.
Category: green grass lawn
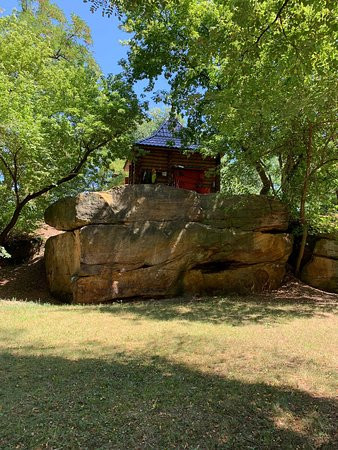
column 213, row 373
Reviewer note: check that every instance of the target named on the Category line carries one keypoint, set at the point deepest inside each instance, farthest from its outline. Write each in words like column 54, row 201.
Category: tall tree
column 57, row 112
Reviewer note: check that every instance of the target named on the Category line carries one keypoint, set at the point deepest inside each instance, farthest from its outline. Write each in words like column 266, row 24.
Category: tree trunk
column 264, row 178
column 302, row 214
column 11, row 224
column 302, row 248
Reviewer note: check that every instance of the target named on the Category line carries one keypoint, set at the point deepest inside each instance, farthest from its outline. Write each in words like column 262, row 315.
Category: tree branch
column 272, row 23
column 58, row 55
column 72, row 174
column 13, row 174
column 328, row 161
column 15, row 179
column 4, row 162
column 279, row 12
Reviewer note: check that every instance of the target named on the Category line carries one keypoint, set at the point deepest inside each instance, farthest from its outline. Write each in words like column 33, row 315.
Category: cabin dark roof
column 167, row 136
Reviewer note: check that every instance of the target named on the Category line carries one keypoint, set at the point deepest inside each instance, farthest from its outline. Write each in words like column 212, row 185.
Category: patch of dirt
column 27, row 282
column 45, row 232
column 295, row 290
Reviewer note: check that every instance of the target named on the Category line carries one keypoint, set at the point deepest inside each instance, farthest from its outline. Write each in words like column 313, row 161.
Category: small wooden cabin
column 162, row 158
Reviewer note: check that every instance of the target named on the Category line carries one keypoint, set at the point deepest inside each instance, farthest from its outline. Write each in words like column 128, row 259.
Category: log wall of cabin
column 163, row 160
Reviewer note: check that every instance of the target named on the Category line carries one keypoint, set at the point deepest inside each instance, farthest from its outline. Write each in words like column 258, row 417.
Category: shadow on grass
column 51, row 402
column 232, row 310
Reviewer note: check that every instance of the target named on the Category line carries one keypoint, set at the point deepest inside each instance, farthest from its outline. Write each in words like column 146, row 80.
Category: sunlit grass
column 210, row 373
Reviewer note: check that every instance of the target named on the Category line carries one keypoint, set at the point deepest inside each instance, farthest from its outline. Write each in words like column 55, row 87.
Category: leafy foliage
column 256, row 79
column 4, row 253
column 154, row 119
column 238, row 178
column 57, row 112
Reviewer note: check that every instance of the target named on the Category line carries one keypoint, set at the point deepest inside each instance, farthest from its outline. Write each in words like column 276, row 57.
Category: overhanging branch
column 72, row 174
column 258, row 39
column 272, row 23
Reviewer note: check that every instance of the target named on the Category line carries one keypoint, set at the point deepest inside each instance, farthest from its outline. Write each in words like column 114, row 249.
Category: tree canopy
column 257, row 80
column 58, row 114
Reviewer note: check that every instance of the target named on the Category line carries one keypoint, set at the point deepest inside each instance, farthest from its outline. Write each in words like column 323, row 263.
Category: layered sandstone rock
column 322, row 270
column 157, row 241
column 159, row 203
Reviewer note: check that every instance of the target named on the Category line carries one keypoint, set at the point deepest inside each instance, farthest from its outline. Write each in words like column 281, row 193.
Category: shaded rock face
column 158, row 241
column 322, row 270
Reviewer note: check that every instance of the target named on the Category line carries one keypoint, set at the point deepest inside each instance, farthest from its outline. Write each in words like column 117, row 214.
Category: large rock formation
column 157, row 241
column 322, row 270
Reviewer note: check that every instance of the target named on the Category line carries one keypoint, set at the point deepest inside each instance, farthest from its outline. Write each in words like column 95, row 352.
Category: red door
column 190, row 179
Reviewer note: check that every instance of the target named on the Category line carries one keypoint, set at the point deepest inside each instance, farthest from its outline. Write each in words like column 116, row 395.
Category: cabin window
column 152, row 176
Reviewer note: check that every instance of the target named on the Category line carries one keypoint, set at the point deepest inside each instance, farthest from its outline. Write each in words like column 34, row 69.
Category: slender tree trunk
column 302, row 248
column 266, row 181
column 260, row 169
column 302, row 215
column 11, row 224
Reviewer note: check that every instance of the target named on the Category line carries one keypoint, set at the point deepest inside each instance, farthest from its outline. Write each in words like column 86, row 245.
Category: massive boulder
column 322, row 270
column 159, row 203
column 158, row 241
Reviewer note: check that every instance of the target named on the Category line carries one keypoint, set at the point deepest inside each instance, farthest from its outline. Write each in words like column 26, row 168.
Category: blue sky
column 106, row 36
